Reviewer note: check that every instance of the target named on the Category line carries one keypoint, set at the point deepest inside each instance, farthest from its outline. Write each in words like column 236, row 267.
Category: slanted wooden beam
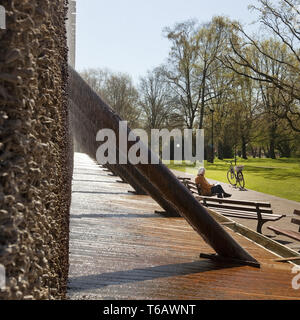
column 85, row 133
column 164, row 181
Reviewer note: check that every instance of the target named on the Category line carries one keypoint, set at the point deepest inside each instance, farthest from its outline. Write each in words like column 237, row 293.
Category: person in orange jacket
column 209, row 189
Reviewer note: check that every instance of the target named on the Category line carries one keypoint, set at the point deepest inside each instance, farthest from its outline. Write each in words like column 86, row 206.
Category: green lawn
column 280, row 177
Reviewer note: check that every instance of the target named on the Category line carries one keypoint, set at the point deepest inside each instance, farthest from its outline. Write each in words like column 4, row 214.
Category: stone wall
column 35, row 150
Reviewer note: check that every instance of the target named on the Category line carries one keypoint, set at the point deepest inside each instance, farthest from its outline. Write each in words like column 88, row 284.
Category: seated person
column 209, row 189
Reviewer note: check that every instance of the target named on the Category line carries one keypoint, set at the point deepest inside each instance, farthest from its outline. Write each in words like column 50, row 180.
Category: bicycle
column 235, row 175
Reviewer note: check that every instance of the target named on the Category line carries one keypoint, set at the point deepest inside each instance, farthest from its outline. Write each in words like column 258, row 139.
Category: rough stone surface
column 35, row 157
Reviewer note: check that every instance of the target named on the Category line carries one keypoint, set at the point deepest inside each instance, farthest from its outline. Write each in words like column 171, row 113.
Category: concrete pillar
column 71, row 32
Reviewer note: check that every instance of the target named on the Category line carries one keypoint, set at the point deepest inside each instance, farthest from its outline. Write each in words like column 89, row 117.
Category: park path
column 279, row 205
column 121, row 249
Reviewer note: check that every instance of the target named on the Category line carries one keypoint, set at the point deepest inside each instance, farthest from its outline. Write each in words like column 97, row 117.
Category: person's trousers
column 217, row 189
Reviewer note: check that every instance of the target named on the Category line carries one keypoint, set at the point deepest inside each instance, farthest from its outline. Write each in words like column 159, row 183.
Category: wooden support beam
column 164, row 181
column 85, row 133
column 220, row 259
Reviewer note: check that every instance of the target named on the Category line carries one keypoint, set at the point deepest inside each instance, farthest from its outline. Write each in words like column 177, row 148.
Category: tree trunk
column 272, row 154
column 253, row 152
column 244, row 148
column 272, row 139
column 202, row 99
column 220, row 150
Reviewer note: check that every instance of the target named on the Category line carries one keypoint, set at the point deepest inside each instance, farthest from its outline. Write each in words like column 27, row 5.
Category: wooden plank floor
column 121, row 249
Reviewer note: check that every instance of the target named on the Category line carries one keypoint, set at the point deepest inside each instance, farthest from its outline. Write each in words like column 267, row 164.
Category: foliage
column 117, row 90
column 243, row 90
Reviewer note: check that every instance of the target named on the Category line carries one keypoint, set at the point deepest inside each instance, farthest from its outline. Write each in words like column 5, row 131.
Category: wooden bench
column 183, row 179
column 289, row 233
column 192, row 186
column 260, row 211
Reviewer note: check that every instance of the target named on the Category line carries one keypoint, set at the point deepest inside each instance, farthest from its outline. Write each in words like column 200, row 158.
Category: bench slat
column 240, row 202
column 248, row 209
column 233, row 215
column 297, row 212
column 249, row 213
column 193, row 191
column 192, row 187
column 296, row 221
column 253, row 216
column 289, row 233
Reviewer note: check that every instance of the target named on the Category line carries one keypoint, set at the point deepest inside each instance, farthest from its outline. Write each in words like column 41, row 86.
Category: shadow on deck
column 121, row 249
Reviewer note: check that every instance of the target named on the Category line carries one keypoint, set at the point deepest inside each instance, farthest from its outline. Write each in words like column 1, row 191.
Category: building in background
column 71, row 32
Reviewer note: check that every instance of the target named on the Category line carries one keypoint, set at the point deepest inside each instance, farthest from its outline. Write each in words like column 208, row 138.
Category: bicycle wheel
column 231, row 178
column 241, row 180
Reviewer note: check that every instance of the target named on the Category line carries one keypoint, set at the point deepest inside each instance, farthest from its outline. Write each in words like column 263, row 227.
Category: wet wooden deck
column 121, row 249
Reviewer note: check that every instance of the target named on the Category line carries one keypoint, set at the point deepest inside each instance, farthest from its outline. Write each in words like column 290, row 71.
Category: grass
column 279, row 177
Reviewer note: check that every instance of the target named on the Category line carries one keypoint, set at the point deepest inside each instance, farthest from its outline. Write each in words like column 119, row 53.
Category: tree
column 158, row 106
column 269, row 95
column 245, row 112
column 117, row 90
column 211, row 39
column 221, row 86
column 181, row 70
column 193, row 63
column 95, row 78
column 120, row 93
column 282, row 21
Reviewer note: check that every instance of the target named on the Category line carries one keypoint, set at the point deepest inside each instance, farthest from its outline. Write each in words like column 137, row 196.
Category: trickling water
column 157, row 180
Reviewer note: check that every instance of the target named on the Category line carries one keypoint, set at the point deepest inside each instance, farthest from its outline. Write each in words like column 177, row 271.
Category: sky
column 126, row 35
